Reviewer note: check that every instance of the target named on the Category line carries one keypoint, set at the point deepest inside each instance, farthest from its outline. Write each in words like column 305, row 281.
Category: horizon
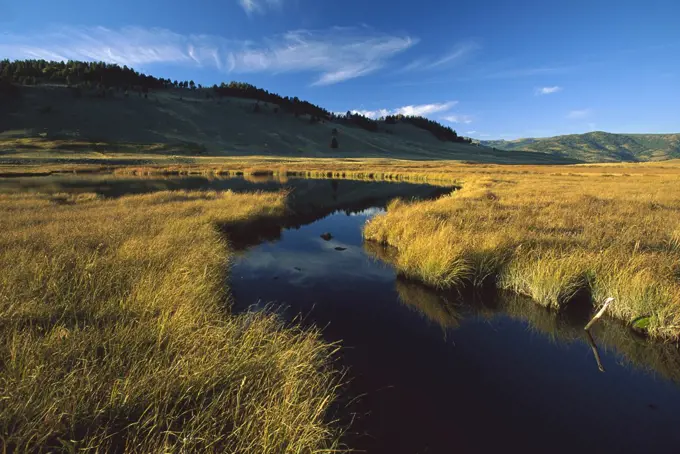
column 489, row 70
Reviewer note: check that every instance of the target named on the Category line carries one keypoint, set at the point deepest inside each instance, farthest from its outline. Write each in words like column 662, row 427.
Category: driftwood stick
column 599, row 314
column 596, row 352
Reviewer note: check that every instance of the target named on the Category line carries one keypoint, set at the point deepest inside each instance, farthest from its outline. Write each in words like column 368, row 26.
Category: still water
column 432, row 372
column 440, row 373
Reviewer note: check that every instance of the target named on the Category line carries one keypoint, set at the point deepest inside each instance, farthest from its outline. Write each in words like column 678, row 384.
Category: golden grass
column 115, row 333
column 549, row 235
column 544, row 231
column 414, row 295
column 155, row 283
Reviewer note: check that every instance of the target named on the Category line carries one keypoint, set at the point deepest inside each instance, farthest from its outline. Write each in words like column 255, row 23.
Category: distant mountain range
column 599, row 146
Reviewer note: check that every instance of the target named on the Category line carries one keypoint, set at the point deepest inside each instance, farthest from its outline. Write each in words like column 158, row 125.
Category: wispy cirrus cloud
column 259, row 6
column 487, row 71
column 579, row 114
column 419, row 110
column 547, row 90
column 459, row 51
column 466, row 119
column 526, row 72
column 331, row 56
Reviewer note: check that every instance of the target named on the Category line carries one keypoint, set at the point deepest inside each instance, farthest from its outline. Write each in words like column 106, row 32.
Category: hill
column 599, row 146
column 58, row 110
column 182, row 122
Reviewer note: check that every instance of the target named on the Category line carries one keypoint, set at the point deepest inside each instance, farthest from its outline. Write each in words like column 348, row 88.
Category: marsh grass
column 414, row 295
column 549, row 278
column 551, row 237
column 116, row 335
column 549, row 232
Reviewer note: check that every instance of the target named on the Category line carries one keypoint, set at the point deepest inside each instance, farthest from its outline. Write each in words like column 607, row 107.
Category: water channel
column 428, row 371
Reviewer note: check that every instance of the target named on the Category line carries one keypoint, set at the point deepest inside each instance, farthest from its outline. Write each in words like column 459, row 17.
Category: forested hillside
column 107, row 79
column 599, row 146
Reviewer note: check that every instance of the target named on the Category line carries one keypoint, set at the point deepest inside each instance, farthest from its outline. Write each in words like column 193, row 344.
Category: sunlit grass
column 550, row 237
column 548, row 232
column 115, row 333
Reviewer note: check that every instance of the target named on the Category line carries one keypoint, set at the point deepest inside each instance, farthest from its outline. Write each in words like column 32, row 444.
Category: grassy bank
column 596, row 230
column 115, row 332
column 548, row 232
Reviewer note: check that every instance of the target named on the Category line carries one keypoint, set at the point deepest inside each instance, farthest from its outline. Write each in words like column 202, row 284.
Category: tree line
column 440, row 131
column 34, row 72
column 107, row 75
column 358, row 120
column 293, row 105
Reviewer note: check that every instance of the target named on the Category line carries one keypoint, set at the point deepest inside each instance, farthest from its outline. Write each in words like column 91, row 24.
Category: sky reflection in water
column 438, row 375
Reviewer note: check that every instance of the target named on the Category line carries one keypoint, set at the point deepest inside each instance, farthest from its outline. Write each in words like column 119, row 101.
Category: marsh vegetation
column 119, row 333
column 425, row 366
column 116, row 332
column 553, row 237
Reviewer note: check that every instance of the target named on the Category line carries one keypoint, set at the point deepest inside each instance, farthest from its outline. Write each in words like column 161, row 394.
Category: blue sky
column 488, row 68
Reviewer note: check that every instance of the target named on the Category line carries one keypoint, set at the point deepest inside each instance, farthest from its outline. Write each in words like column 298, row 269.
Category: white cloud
column 471, row 132
column 467, row 119
column 426, row 109
column 332, row 55
column 412, row 110
column 259, row 6
column 370, row 113
column 459, row 51
column 548, row 90
column 578, row 114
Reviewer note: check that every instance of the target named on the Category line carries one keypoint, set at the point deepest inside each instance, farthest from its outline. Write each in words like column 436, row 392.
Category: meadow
column 116, row 332
column 556, row 235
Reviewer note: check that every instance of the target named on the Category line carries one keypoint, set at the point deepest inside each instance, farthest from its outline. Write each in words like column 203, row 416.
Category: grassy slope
column 165, row 125
column 600, row 146
column 115, row 334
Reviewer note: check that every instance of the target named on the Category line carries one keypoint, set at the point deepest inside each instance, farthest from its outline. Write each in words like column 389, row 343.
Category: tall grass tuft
column 551, row 279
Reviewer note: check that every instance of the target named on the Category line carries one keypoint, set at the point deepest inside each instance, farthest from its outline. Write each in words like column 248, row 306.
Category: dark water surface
column 433, row 372
column 440, row 373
